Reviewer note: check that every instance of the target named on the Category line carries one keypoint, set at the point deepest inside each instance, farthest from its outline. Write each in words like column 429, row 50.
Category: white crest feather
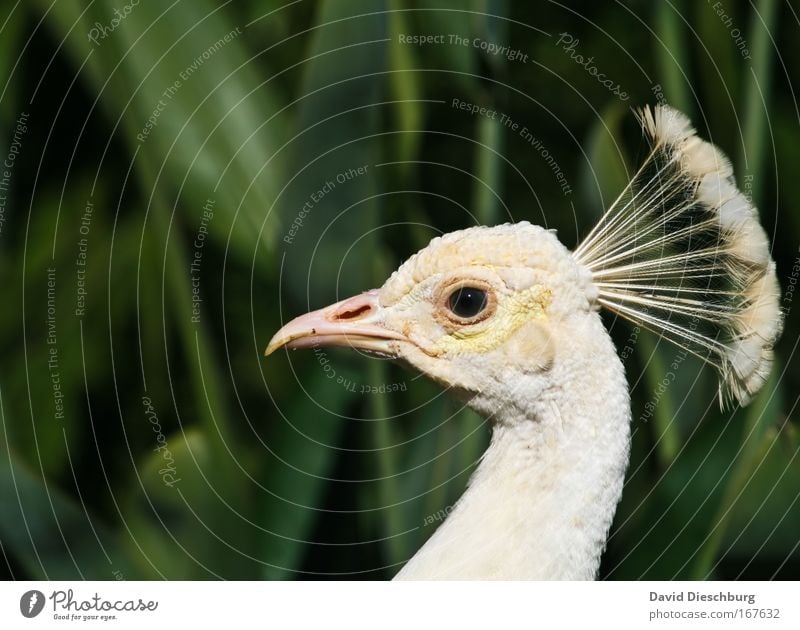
column 681, row 252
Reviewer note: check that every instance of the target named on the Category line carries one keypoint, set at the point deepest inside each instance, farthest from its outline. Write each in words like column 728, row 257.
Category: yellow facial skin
column 512, row 311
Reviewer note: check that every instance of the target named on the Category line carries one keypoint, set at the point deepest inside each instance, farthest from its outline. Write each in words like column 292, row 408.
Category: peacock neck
column 542, row 500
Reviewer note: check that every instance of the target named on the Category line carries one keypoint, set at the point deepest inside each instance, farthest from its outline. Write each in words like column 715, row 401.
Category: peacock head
column 476, row 310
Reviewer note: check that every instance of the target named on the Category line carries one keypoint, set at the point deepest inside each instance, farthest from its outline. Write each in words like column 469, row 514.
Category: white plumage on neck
column 541, row 502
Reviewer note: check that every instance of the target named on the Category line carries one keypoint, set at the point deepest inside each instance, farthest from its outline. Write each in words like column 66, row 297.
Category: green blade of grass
column 756, row 101
column 405, row 85
column 604, row 175
column 174, row 79
column 757, row 439
column 390, row 496
column 486, row 193
column 337, row 119
column 666, row 432
column 671, row 54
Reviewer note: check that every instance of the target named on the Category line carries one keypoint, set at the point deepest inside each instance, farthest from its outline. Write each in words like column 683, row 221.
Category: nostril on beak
column 355, row 308
column 352, row 313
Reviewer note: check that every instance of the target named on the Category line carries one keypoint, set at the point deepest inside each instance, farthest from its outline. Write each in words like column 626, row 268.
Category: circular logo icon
column 31, row 603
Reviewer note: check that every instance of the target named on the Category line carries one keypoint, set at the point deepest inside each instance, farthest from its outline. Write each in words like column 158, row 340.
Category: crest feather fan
column 681, row 252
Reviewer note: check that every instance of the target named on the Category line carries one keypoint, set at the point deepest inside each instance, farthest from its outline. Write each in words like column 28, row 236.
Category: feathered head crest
column 681, row 252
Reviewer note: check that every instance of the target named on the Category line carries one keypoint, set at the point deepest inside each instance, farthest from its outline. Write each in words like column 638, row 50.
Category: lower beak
column 356, row 322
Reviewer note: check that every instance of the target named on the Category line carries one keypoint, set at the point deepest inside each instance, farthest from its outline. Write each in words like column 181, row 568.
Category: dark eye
column 467, row 302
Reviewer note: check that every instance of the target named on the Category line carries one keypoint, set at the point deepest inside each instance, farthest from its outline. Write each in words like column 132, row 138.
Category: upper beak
column 355, row 322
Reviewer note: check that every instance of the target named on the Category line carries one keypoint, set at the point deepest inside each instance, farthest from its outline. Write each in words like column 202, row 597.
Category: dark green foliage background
column 284, row 471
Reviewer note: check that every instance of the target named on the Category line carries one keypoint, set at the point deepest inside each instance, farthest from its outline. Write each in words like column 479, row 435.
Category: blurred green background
column 160, row 158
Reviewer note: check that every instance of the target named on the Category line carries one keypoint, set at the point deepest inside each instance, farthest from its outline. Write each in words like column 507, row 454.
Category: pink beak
column 355, row 322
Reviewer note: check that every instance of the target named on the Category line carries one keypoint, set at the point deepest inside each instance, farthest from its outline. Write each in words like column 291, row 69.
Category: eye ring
column 467, row 302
